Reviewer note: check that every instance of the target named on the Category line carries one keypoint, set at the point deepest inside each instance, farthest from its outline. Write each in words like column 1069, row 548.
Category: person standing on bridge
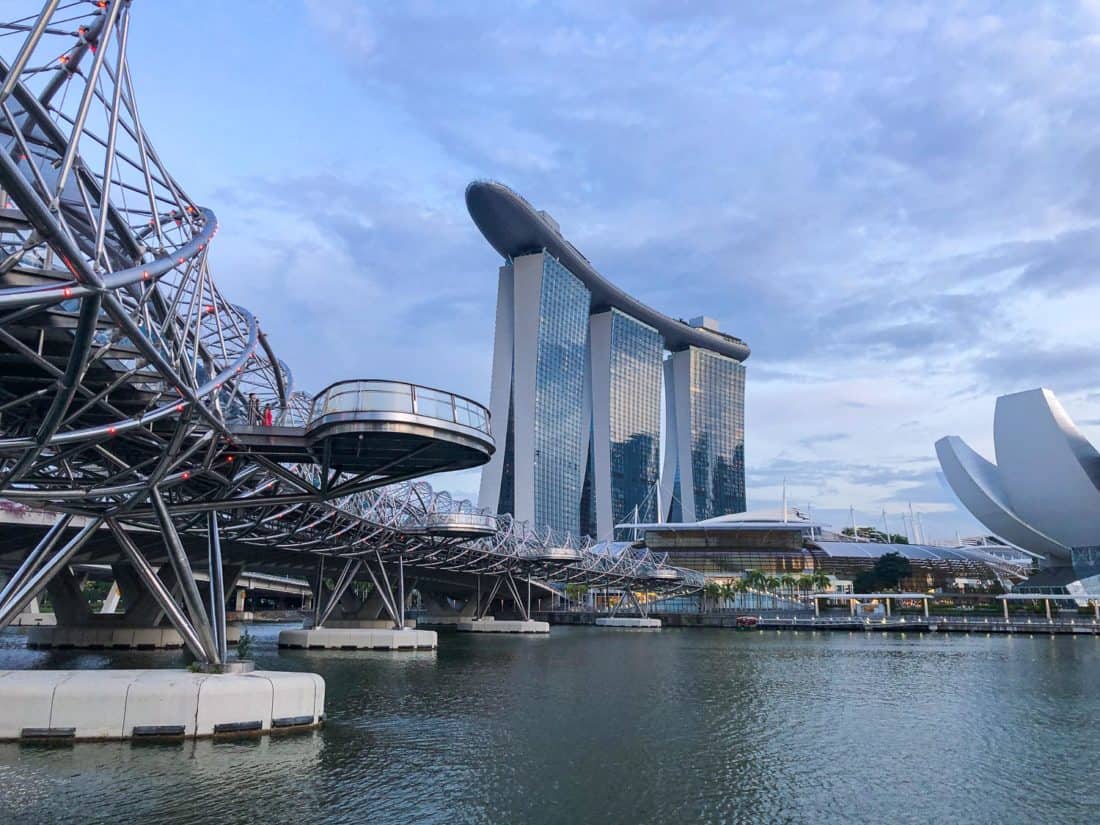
column 269, row 418
column 253, row 410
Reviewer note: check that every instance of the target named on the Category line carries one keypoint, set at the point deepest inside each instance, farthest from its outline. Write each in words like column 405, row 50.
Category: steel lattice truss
column 125, row 368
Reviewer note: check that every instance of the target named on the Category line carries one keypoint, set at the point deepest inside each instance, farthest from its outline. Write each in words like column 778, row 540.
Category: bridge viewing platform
column 384, row 431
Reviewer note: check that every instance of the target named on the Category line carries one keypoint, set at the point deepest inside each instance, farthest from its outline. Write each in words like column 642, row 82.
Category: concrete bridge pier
column 520, row 593
column 344, row 621
column 218, row 698
column 640, row 622
column 143, row 625
column 439, row 612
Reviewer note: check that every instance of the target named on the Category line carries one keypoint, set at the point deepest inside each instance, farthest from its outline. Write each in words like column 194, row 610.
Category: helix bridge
column 130, row 390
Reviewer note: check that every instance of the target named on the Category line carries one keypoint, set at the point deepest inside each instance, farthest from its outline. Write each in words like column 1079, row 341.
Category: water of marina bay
column 592, row 725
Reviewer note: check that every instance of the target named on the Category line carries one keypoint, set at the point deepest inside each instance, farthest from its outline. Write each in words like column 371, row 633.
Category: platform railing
column 399, row 396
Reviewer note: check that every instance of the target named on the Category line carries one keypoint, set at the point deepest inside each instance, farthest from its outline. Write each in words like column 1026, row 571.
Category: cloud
column 895, row 205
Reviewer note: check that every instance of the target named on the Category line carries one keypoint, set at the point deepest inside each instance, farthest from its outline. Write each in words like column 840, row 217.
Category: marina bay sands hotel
column 580, row 369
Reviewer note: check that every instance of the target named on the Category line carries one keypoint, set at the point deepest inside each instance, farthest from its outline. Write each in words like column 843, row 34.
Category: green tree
column 728, row 591
column 891, row 568
column 865, row 581
column 741, row 589
column 712, row 591
column 869, row 533
column 757, row 582
column 575, row 592
column 788, row 582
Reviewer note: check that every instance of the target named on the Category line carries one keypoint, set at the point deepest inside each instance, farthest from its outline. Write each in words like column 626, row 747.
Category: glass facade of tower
column 635, row 383
column 560, row 420
column 717, row 434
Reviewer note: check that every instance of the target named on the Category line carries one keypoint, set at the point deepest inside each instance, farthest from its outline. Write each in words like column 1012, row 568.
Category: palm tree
column 820, row 579
column 728, row 590
column 739, row 588
column 754, row 580
column 788, row 581
column 711, row 590
column 805, row 583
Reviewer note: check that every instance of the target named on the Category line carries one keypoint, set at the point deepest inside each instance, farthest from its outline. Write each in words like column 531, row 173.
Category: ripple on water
column 591, row 725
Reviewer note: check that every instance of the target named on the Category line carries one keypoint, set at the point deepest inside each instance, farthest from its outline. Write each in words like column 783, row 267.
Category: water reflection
column 593, row 725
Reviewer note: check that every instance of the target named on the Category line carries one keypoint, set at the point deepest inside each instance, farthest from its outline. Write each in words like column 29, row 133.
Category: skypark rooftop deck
column 514, row 227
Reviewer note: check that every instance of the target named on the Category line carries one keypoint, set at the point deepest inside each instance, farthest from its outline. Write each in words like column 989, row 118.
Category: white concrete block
column 26, row 697
column 359, row 639
column 92, row 703
column 233, row 703
column 628, row 622
column 164, row 700
column 504, row 626
column 297, row 698
column 116, row 704
column 111, row 637
column 146, row 637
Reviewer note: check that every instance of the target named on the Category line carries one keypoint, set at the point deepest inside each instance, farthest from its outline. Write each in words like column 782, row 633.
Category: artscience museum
column 1042, row 494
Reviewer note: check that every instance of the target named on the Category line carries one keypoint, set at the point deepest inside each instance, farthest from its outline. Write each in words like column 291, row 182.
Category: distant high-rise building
column 579, row 370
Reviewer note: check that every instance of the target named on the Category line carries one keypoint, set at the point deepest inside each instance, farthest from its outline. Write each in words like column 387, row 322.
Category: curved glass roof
column 913, row 552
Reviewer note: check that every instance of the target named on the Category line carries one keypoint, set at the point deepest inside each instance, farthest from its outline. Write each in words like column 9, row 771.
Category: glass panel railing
column 435, row 407
column 386, row 401
column 394, row 396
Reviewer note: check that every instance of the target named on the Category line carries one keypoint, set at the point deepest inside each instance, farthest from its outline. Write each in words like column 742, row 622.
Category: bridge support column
column 37, row 571
column 489, row 624
column 34, row 559
column 191, row 597
column 642, row 622
column 111, row 602
column 365, row 635
column 69, row 605
column 440, row 613
column 217, row 585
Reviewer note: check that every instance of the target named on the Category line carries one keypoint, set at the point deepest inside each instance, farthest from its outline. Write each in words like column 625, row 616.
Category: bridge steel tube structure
column 129, row 382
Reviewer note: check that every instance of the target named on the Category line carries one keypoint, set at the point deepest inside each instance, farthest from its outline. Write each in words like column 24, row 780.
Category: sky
column 894, row 204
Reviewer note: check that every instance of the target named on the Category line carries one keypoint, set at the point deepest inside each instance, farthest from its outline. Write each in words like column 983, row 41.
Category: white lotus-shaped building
column 1042, row 495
